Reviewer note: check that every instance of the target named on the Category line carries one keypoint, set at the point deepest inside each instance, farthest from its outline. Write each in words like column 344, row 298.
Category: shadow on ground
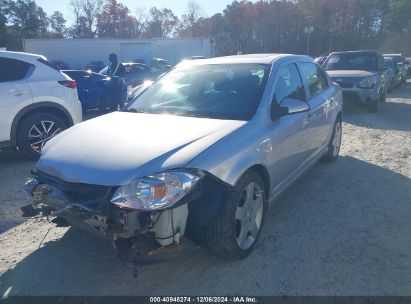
column 393, row 115
column 330, row 234
column 14, row 170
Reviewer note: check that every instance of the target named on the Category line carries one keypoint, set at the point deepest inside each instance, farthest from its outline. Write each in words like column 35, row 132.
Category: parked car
column 393, row 73
column 408, row 60
column 320, row 60
column 361, row 75
column 95, row 66
column 134, row 92
column 399, row 59
column 136, row 74
column 160, row 65
column 37, row 102
column 202, row 152
column 139, row 60
column 60, row 65
column 94, row 90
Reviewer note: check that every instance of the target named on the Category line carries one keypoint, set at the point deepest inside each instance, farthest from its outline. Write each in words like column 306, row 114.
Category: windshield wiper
column 188, row 114
column 132, row 110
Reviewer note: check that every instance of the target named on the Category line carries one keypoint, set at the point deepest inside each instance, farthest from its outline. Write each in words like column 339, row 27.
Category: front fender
column 229, row 158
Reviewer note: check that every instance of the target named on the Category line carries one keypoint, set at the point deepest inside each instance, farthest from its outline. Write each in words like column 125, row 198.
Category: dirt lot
column 343, row 229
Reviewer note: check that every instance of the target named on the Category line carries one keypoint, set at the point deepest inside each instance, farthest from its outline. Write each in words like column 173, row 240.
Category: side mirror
column 287, row 107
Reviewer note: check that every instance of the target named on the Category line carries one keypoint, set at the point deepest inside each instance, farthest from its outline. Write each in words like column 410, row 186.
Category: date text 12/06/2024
column 236, row 299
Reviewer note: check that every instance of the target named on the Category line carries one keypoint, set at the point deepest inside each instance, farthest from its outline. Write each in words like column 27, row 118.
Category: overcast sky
column 179, row 7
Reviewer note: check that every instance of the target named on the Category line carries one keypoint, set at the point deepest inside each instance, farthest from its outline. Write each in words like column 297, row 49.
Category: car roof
column 249, row 58
column 21, row 56
column 358, row 51
column 392, row 54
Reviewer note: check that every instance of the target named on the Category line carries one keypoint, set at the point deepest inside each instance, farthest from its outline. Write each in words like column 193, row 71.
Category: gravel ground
column 343, row 229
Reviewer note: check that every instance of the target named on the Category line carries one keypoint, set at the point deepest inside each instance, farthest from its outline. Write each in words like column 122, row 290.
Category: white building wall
column 78, row 52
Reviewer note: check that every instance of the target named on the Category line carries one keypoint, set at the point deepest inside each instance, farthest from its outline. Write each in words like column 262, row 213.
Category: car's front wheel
column 234, row 232
column 334, row 145
column 35, row 130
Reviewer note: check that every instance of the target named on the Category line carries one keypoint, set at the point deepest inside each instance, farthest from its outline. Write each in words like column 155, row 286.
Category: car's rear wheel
column 35, row 130
column 234, row 232
column 334, row 145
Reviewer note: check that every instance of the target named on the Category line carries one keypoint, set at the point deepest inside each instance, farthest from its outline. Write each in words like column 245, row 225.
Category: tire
column 334, row 145
column 35, row 130
column 228, row 235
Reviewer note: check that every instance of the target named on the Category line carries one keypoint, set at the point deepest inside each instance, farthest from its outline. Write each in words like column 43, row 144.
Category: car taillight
column 69, row 83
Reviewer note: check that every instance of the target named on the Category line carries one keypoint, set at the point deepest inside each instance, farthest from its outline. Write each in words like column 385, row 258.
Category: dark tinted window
column 352, row 61
column 12, row 69
column 315, row 77
column 289, row 84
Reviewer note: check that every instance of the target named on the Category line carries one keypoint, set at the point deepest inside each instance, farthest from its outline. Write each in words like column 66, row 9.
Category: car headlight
column 367, row 83
column 157, row 191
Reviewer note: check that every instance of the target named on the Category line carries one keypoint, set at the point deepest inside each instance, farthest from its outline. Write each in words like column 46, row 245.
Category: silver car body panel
column 285, row 147
column 117, row 148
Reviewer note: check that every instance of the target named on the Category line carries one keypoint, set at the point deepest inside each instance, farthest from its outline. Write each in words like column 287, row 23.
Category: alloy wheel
column 249, row 215
column 42, row 132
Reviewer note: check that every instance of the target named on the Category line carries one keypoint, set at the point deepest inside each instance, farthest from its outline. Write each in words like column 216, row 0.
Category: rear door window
column 13, row 69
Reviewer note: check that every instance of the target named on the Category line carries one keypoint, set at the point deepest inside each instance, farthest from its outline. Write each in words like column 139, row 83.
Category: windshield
column 352, row 61
column 230, row 91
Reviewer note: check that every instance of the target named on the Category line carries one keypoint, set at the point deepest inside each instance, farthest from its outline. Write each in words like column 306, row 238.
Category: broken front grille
column 94, row 196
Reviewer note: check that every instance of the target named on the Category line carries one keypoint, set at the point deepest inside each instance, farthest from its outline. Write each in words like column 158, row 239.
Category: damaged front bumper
column 137, row 232
column 89, row 207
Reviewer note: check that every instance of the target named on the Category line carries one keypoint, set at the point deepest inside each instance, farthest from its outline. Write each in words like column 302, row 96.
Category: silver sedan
column 201, row 152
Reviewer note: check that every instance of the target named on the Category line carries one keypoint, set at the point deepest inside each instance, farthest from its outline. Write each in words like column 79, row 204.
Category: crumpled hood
column 116, row 148
column 348, row 73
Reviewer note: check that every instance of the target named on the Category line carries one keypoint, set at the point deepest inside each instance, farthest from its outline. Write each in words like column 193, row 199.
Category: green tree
column 115, row 21
column 162, row 23
column 85, row 18
column 58, row 25
column 28, row 19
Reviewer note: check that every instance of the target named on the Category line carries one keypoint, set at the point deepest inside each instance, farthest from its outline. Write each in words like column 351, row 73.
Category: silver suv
column 202, row 152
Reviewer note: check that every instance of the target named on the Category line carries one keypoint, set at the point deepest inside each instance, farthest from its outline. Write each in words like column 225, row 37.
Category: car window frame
column 308, row 91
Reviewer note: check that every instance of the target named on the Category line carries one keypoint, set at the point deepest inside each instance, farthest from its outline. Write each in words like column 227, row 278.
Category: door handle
column 16, row 92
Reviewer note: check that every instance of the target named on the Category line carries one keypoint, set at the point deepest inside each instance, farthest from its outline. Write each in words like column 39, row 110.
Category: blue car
column 96, row 91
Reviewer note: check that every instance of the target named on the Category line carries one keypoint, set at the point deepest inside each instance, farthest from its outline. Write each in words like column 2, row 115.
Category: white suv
column 36, row 102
